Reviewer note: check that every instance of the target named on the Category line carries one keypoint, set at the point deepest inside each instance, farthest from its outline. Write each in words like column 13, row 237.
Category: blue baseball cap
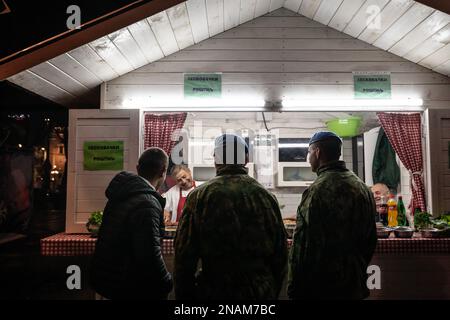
column 323, row 135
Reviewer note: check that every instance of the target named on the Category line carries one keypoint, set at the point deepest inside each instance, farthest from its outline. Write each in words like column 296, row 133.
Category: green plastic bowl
column 344, row 128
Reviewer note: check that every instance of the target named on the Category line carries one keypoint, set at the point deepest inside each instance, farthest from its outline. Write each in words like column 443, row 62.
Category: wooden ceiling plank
column 421, row 33
column 441, row 5
column 143, row 35
column 431, row 45
column 162, row 29
column 88, row 58
column 309, row 8
column 128, row 47
column 42, row 87
column 262, row 7
column 76, row 70
column 327, row 10
column 179, row 20
column 75, row 38
column 231, row 13
column 437, row 58
column 247, row 11
column 293, row 5
column 443, row 68
column 59, row 78
column 407, row 22
column 106, row 49
column 391, row 13
column 198, row 20
column 276, row 4
column 365, row 15
column 345, row 14
column 215, row 15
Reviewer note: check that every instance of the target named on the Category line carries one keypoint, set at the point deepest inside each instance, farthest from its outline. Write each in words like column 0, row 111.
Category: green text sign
column 103, row 155
column 202, row 85
column 372, row 85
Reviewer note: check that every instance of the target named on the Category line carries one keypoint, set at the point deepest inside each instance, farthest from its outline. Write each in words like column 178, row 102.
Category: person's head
column 230, row 149
column 152, row 165
column 379, row 190
column 183, row 176
column 324, row 147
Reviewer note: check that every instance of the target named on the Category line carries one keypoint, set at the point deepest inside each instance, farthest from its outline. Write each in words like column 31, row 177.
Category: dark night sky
column 31, row 22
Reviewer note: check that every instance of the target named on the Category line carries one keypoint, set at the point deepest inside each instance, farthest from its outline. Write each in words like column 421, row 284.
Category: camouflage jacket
column 334, row 239
column 232, row 227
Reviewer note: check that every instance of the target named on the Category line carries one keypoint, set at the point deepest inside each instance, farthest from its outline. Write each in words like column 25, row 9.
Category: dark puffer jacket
column 128, row 262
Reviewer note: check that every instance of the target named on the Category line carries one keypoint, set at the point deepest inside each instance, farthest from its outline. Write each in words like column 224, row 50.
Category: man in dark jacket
column 335, row 236
column 232, row 227
column 128, row 263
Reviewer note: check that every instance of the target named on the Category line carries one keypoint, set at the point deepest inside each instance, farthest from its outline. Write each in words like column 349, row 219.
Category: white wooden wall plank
column 109, row 52
column 345, row 14
column 283, row 33
column 39, row 85
column 198, row 20
column 215, row 14
column 276, row 4
column 423, row 31
column 431, row 45
column 309, row 8
column 61, row 79
column 327, row 10
column 364, row 17
column 247, row 10
column 437, row 58
column 284, row 22
column 293, row 5
column 282, row 55
column 231, row 13
column 179, row 20
column 143, row 35
column 413, row 17
column 162, row 29
column 76, row 70
column 266, row 66
column 390, row 13
column 262, row 7
column 129, row 48
column 243, row 78
column 87, row 57
column 305, row 44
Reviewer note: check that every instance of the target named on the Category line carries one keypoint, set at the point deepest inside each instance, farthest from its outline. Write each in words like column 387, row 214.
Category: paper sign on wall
column 372, row 85
column 203, row 85
column 103, row 155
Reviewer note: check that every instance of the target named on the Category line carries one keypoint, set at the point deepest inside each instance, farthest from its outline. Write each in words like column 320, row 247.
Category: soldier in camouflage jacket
column 231, row 241
column 335, row 236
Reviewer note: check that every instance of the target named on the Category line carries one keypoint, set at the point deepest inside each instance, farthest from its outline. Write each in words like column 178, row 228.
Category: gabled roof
column 405, row 28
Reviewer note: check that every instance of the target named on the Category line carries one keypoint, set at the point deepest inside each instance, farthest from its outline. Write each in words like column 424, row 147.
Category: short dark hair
column 330, row 148
column 152, row 162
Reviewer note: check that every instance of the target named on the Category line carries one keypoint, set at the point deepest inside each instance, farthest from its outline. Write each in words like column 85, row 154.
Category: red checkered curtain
column 405, row 135
column 159, row 129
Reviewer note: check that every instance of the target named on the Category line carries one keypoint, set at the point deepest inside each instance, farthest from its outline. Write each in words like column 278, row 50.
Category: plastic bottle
column 392, row 211
column 401, row 218
column 383, row 211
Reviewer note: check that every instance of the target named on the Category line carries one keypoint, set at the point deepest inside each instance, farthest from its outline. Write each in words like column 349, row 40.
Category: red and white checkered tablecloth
column 65, row 244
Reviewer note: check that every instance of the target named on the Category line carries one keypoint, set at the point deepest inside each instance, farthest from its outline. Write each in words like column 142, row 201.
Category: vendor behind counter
column 177, row 195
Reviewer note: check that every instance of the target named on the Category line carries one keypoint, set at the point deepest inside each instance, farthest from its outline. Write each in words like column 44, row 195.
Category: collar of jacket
column 232, row 169
column 161, row 200
column 333, row 165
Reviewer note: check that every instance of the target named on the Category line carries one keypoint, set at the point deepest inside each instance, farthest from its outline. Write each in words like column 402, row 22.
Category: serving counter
column 64, row 244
